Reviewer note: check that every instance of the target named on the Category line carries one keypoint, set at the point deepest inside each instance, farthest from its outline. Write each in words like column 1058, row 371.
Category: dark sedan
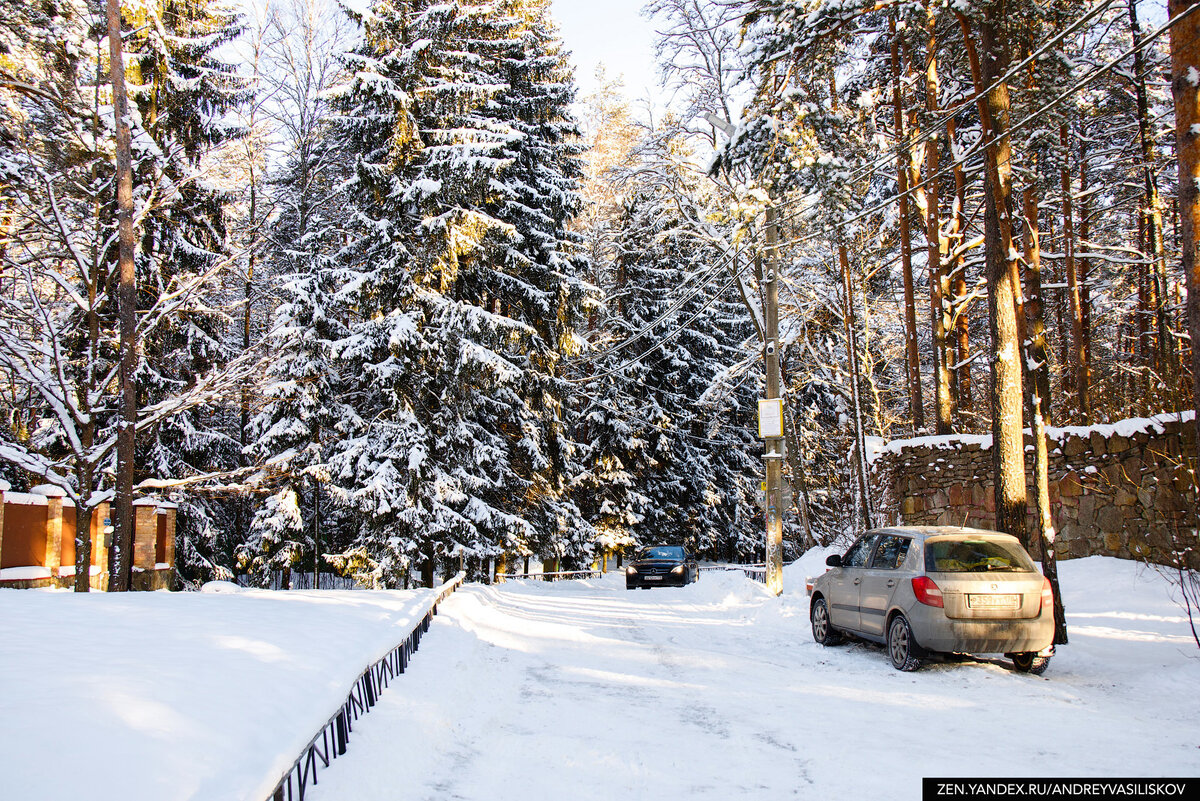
column 661, row 565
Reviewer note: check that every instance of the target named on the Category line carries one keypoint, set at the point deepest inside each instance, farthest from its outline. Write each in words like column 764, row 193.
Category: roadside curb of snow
column 331, row 740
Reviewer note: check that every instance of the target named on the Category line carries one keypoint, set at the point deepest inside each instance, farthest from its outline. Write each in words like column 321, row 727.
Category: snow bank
column 178, row 695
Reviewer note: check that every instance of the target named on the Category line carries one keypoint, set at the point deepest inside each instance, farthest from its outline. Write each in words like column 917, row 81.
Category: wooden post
column 773, row 445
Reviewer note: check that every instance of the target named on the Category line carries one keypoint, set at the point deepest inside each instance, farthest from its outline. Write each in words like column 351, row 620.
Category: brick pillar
column 101, row 541
column 3, row 489
column 54, row 510
column 170, row 510
column 145, row 532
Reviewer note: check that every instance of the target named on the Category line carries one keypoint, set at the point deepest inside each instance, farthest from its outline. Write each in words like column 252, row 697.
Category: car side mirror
column 834, row 560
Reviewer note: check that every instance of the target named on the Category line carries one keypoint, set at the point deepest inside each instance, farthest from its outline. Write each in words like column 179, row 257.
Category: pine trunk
column 1071, row 366
column 958, row 276
column 916, row 402
column 860, row 463
column 1038, row 362
column 1185, row 86
column 1008, row 442
column 1084, row 351
column 939, row 284
column 122, row 560
column 1152, row 209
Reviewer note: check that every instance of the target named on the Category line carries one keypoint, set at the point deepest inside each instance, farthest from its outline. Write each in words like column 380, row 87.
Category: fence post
column 339, row 733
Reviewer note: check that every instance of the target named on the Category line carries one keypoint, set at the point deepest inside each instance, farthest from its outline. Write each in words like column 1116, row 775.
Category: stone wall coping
column 914, row 446
column 49, row 491
column 1123, row 428
column 145, row 502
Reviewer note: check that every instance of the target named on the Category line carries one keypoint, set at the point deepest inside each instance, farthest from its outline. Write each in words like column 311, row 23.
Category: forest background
column 404, row 301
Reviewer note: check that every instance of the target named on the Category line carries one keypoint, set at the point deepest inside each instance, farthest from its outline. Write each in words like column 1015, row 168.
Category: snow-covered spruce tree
column 301, row 407
column 302, row 413
column 669, row 460
column 458, row 277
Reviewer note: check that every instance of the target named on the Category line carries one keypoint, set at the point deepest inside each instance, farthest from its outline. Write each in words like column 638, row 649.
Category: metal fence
column 330, row 742
column 304, row 581
column 757, row 572
column 558, row 574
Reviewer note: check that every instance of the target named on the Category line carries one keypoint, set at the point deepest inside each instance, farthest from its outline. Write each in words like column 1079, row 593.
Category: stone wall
column 1116, row 490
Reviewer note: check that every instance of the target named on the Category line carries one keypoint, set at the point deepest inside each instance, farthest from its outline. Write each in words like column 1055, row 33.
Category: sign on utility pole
column 770, row 411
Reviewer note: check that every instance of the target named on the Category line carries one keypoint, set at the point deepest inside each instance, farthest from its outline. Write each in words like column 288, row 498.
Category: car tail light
column 1047, row 595
column 927, row 591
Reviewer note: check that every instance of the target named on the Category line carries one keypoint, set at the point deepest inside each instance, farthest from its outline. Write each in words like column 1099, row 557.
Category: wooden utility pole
column 121, row 575
column 773, row 445
column 1185, row 86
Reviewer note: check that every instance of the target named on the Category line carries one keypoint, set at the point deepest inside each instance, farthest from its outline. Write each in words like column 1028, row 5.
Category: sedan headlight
column 678, row 569
column 631, row 571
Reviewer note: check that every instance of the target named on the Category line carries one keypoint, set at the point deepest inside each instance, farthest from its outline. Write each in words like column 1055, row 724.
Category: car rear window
column 975, row 556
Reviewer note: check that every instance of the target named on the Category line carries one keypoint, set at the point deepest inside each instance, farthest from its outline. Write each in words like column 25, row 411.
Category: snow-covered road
column 585, row 690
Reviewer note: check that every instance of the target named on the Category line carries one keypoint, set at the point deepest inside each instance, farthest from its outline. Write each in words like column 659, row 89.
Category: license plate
column 653, row 578
column 993, row 601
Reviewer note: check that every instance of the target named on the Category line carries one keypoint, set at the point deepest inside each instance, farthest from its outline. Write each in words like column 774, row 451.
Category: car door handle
column 858, row 581
column 891, row 582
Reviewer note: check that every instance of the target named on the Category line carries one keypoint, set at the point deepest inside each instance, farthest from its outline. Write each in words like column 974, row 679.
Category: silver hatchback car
column 923, row 590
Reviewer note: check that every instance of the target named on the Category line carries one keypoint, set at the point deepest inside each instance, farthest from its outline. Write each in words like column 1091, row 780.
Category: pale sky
column 615, row 33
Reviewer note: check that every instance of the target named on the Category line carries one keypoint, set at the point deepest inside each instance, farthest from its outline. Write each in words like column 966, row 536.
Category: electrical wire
column 980, row 145
column 933, row 130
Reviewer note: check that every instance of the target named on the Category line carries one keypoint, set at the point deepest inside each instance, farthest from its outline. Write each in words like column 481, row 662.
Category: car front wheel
column 900, row 645
column 1030, row 663
column 823, row 633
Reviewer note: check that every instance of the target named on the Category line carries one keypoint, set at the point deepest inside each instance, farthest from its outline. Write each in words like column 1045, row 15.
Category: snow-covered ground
column 572, row 690
column 158, row 696
column 588, row 691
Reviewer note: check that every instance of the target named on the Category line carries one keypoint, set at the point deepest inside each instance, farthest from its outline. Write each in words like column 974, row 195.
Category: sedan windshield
column 663, row 552
column 975, row 556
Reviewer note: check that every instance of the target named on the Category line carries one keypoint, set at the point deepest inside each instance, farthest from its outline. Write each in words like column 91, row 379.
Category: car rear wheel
column 823, row 633
column 900, row 645
column 1030, row 663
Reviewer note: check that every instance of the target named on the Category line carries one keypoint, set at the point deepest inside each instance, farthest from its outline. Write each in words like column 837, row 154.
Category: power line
column 982, row 145
column 933, row 130
column 971, row 152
